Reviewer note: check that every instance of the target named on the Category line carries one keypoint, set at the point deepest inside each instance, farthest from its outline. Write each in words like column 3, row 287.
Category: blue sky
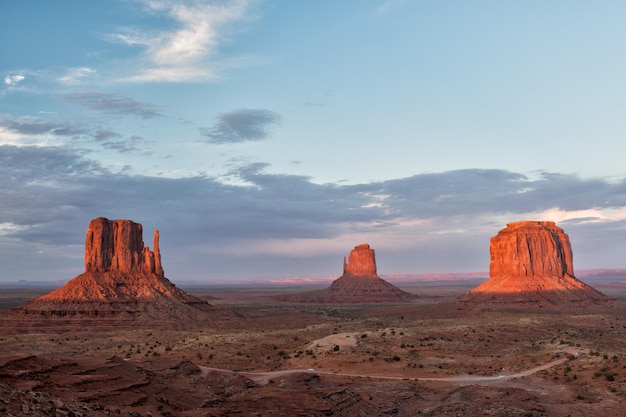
column 265, row 139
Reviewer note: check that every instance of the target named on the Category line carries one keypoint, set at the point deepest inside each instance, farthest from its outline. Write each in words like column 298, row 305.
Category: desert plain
column 433, row 356
column 527, row 339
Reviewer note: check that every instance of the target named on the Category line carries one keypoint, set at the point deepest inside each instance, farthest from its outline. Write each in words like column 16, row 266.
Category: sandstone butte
column 359, row 283
column 532, row 262
column 122, row 278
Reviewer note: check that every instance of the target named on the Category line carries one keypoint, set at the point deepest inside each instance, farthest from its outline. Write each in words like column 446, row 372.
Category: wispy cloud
column 590, row 215
column 114, row 104
column 115, row 141
column 34, row 131
column 24, row 131
column 241, row 125
column 185, row 52
column 76, row 76
column 13, row 80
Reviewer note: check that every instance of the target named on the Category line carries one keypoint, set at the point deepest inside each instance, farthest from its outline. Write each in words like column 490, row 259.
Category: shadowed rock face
column 532, row 261
column 122, row 278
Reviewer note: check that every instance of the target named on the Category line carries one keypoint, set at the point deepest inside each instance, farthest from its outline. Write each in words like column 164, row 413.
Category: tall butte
column 359, row 283
column 117, row 245
column 532, row 262
column 122, row 278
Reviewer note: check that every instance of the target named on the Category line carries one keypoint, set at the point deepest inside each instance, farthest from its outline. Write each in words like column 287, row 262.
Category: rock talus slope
column 532, row 261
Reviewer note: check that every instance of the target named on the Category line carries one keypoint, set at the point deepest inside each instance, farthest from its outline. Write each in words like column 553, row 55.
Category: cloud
column 113, row 140
column 22, row 169
column 471, row 190
column 13, row 80
column 590, row 215
column 281, row 224
column 34, row 131
column 184, row 52
column 242, row 125
column 291, row 206
column 106, row 135
column 36, row 126
column 76, row 76
column 114, row 105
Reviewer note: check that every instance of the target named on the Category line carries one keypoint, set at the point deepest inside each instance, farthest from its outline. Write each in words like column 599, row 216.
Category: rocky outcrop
column 158, row 269
column 531, row 261
column 117, row 245
column 359, row 283
column 122, row 278
column 531, row 249
column 361, row 261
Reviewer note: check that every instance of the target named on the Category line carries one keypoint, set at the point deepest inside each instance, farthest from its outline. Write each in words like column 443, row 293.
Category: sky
column 267, row 138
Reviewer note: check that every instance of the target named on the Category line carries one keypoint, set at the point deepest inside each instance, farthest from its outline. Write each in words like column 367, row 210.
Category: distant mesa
column 122, row 278
column 359, row 283
column 532, row 262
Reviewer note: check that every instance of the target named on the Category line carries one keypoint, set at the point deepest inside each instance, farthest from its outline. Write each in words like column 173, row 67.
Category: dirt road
column 263, row 378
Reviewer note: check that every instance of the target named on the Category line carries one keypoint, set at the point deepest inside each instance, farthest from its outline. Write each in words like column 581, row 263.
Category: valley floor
column 433, row 357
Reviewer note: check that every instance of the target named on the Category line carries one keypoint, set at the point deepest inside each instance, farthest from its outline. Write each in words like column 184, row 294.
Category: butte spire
column 123, row 279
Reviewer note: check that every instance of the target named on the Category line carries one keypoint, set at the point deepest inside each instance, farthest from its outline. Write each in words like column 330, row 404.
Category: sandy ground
column 432, row 359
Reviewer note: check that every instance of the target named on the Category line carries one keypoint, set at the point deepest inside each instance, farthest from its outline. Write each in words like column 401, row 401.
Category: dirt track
column 263, row 378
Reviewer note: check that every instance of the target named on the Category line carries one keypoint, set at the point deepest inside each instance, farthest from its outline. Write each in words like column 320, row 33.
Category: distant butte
column 532, row 263
column 359, row 283
column 122, row 279
column 361, row 262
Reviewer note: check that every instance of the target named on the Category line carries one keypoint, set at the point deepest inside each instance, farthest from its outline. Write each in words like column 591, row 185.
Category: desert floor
column 432, row 357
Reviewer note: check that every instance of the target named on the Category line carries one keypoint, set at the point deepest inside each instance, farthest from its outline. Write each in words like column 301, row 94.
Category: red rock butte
column 531, row 261
column 122, row 278
column 359, row 283
column 117, row 245
column 361, row 261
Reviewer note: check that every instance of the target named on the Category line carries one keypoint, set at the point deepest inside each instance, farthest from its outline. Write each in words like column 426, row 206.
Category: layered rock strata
column 532, row 261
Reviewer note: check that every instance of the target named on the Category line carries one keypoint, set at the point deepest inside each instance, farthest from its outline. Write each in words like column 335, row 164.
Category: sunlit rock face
column 532, row 261
column 358, row 284
column 531, row 249
column 117, row 245
column 361, row 261
column 122, row 278
column 361, row 283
